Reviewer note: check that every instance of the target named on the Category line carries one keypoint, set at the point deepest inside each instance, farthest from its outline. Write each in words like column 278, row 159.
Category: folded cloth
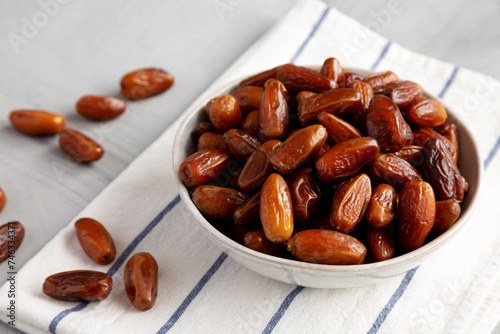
column 201, row 290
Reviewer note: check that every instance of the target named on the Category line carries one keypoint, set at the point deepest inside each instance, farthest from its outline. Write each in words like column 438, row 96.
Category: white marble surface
column 84, row 47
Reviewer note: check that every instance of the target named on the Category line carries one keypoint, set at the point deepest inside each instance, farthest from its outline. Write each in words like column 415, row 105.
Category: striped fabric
column 203, row 291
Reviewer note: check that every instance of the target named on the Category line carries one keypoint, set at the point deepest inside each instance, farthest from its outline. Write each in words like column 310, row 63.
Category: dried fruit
column 217, row 202
column 338, row 129
column 201, row 167
column 78, row 285
column 11, row 236
column 144, row 83
column 224, row 112
column 95, row 240
column 305, row 194
column 78, row 147
column 381, row 242
column 37, row 122
column 380, row 81
column 257, row 241
column 426, row 112
column 248, row 98
column 298, row 78
column 100, row 107
column 140, row 277
column 258, row 167
column 273, row 112
column 382, row 207
column 240, row 144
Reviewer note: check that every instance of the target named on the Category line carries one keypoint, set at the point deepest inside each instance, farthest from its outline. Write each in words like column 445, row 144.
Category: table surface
column 54, row 51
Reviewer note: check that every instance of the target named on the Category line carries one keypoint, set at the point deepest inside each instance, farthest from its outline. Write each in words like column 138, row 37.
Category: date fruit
column 447, row 213
column 248, row 98
column 201, row 129
column 247, row 215
column 210, row 141
column 78, row 285
column 257, row 241
column 273, row 112
column 218, row 202
column 258, row 167
column 380, row 81
column 331, row 68
column 78, row 147
column 426, row 112
column 338, row 129
column 145, row 83
column 382, row 207
column 140, row 277
column 100, row 108
column 305, row 194
column 224, row 112
column 388, row 168
column 11, row 236
column 240, row 144
column 403, row 93
column 250, row 124
column 203, row 166
column 95, row 240
column 381, row 242
column 298, row 78
column 37, row 122
column 3, row 199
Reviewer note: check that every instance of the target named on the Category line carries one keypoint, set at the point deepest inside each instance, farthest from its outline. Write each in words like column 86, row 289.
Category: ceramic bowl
column 320, row 275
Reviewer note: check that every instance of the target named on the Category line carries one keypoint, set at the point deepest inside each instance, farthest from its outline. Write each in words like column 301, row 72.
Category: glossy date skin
column 210, row 141
column 257, row 241
column 11, row 237
column 201, row 167
column 273, row 112
column 140, row 277
column 390, row 169
column 37, row 122
column 426, row 112
column 247, row 215
column 3, row 199
column 240, row 144
column 338, row 129
column 380, row 81
column 447, row 212
column 326, row 247
column 250, row 124
column 305, row 194
column 200, row 129
column 145, row 83
column 100, row 108
column 218, row 202
column 403, row 93
column 298, row 78
column 248, row 98
column 381, row 242
column 331, row 68
column 78, row 285
column 258, row 167
column 224, row 112
column 78, row 147
column 95, row 240
column 382, row 207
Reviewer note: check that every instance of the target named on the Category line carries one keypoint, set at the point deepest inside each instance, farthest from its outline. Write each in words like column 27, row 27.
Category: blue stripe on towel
column 192, row 295
column 130, row 248
column 382, row 55
column 448, row 82
column 282, row 309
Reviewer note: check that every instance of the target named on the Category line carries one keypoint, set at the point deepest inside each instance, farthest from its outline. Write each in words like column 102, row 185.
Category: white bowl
column 320, row 275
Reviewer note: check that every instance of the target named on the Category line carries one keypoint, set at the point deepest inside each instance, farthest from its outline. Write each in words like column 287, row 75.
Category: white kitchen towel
column 201, row 290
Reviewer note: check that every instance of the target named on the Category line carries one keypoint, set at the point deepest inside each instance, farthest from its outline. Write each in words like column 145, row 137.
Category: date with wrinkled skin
column 320, row 152
column 412, row 154
column 78, row 147
column 250, row 124
column 298, row 78
column 449, row 131
column 331, row 68
column 259, row 79
column 248, row 98
column 211, row 140
column 145, row 83
column 203, row 166
column 386, row 125
column 340, row 102
column 257, row 241
column 240, row 144
column 416, row 214
column 338, row 129
column 37, row 122
column 345, row 159
column 304, row 95
column 380, row 81
column 426, row 112
column 381, row 242
column 423, row 135
column 276, row 209
column 140, row 277
column 388, row 168
column 78, row 286
column 201, row 129
column 298, row 148
column 366, row 92
column 3, row 199
column 273, row 112
column 382, row 207
column 350, row 203
column 11, row 235
column 95, row 240
column 441, row 172
column 100, row 108
column 403, row 93
column 218, row 202
column 447, row 212
column 351, row 77
column 305, row 194
column 247, row 215
column 224, row 112
column 258, row 167
column 326, row 247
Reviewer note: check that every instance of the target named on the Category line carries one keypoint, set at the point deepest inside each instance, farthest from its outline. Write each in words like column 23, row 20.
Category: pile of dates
column 326, row 166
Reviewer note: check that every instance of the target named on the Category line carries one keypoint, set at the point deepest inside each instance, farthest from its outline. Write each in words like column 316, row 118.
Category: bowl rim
column 193, row 111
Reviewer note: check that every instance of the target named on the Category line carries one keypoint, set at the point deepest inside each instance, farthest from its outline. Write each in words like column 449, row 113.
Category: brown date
column 37, row 122
column 320, row 152
column 403, row 93
column 304, row 95
column 273, row 112
column 449, row 131
column 351, row 77
column 224, row 112
column 247, row 215
column 338, row 129
column 12, row 232
column 340, row 102
column 441, row 171
column 298, row 148
column 382, row 207
column 144, row 83
column 331, row 68
column 298, row 78
column 240, row 144
column 257, row 241
column 95, row 240
column 248, row 98
column 345, row 159
column 381, row 242
column 350, row 203
column 305, row 194
column 78, row 285
column 276, row 211
column 416, row 213
column 217, row 202
column 366, row 92
column 426, row 112
column 3, row 199
column 379, row 81
column 140, row 277
column 326, row 247
column 203, row 166
column 250, row 124
column 79, row 147
column 423, row 135
column 388, row 168
column 201, row 129
column 386, row 124
column 100, row 108
column 447, row 213
column 259, row 79
column 258, row 167
column 412, row 154
column 210, row 140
